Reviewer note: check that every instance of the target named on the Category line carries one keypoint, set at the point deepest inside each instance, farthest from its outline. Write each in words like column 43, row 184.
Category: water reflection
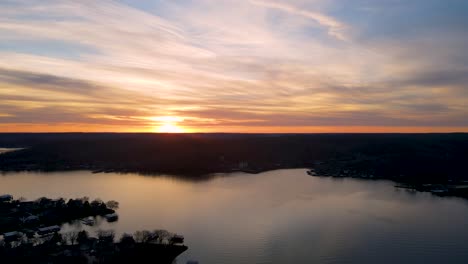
column 5, row 150
column 281, row 216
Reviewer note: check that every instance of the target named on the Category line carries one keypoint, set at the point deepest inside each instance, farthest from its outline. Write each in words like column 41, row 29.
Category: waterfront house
column 11, row 236
column 48, row 230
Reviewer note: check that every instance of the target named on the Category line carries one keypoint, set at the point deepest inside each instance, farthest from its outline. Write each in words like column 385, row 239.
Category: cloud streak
column 335, row 28
column 221, row 66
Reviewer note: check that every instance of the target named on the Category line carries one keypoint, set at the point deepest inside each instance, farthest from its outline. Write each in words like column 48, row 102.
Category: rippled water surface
column 281, row 216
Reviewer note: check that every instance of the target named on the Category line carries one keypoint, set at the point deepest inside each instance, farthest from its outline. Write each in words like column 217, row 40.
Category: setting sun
column 168, row 124
column 170, row 128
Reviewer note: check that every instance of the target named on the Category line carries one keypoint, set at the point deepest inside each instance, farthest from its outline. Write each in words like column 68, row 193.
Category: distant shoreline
column 419, row 158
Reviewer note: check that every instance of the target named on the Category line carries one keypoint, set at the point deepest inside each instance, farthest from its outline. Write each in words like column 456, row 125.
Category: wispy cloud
column 221, row 65
column 334, row 27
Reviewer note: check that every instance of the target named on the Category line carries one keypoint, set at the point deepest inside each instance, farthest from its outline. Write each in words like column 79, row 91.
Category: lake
column 283, row 216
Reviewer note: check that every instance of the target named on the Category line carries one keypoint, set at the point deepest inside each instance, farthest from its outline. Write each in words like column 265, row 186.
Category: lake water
column 282, row 216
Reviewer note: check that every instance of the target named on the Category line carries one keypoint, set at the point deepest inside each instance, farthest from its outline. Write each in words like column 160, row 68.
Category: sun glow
column 170, row 128
column 168, row 124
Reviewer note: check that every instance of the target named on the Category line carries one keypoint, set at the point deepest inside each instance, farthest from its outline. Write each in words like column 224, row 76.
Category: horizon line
column 234, row 133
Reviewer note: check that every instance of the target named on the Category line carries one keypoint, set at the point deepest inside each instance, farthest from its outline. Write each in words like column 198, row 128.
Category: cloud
column 223, row 64
column 335, row 28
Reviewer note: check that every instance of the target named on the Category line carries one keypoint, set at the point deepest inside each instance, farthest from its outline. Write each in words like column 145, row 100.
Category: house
column 30, row 219
column 88, row 221
column 48, row 230
column 11, row 236
column 6, row 198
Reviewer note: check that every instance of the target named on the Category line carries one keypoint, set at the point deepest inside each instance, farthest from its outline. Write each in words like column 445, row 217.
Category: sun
column 170, row 128
column 167, row 124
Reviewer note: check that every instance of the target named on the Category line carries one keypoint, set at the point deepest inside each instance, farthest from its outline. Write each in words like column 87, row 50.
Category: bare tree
column 106, row 235
column 36, row 240
column 71, row 237
column 142, row 236
column 162, row 235
column 112, row 204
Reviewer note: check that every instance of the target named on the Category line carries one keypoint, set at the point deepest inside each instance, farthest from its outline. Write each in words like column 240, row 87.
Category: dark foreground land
column 110, row 253
column 27, row 235
column 428, row 158
column 143, row 247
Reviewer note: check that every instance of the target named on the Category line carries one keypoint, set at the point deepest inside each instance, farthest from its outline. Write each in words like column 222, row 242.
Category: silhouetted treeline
column 408, row 157
column 156, row 247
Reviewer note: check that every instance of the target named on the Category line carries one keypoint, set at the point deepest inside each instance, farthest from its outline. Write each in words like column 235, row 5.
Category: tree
column 71, row 237
column 36, row 240
column 56, row 238
column 143, row 236
column 60, row 203
column 83, row 237
column 112, row 204
column 162, row 235
column 106, row 236
column 96, row 202
column 70, row 203
column 127, row 240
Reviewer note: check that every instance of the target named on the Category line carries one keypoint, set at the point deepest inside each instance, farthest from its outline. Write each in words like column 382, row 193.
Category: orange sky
column 233, row 66
column 345, row 129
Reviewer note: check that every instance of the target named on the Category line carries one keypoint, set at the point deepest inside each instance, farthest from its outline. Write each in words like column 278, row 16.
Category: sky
column 256, row 66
